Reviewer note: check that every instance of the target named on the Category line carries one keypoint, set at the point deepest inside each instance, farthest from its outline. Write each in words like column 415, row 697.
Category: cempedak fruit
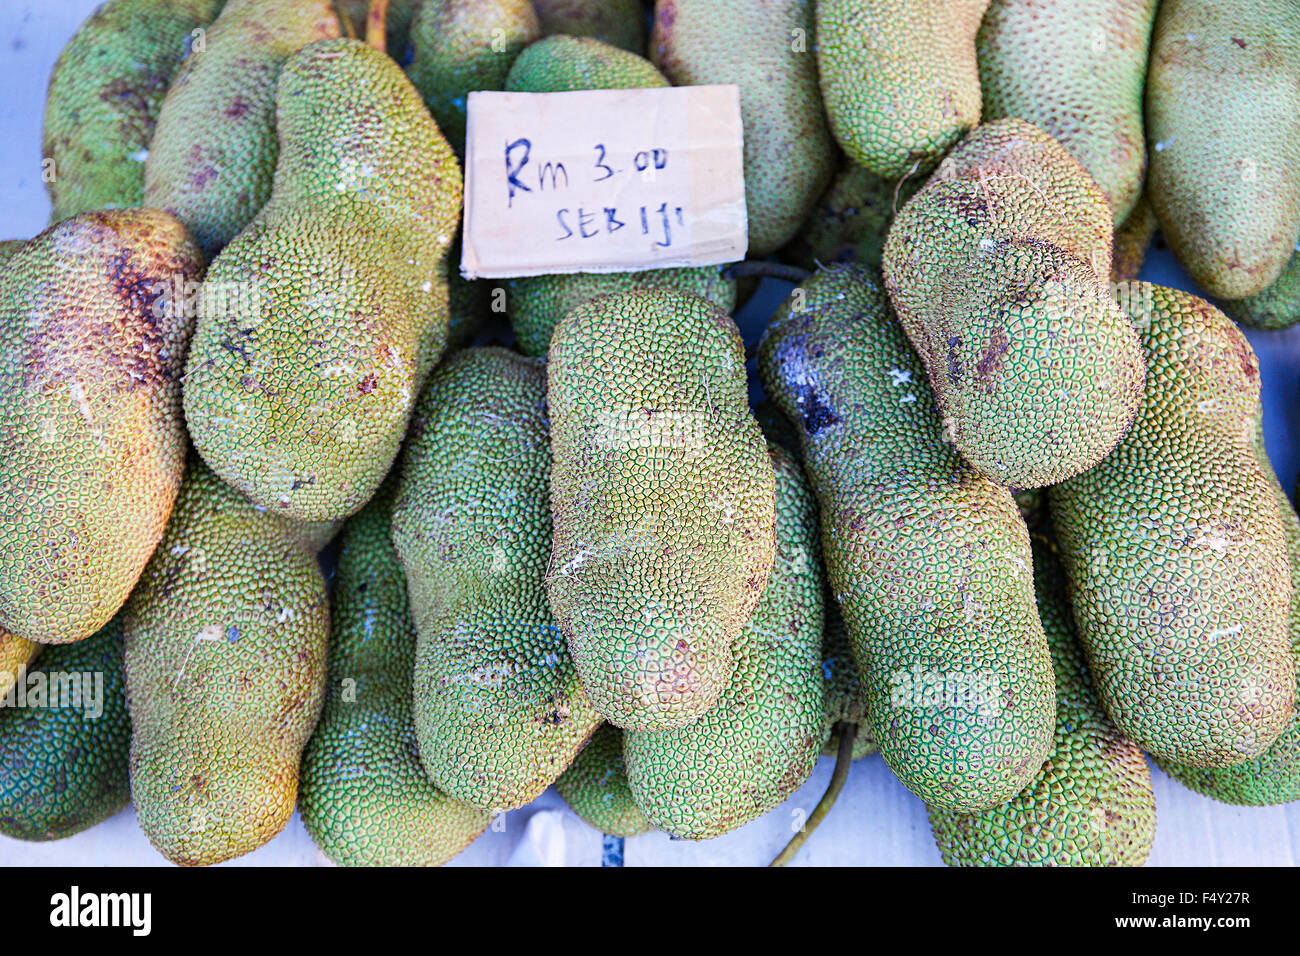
column 93, row 446
column 499, row 709
column 364, row 796
column 226, row 637
column 302, row 374
column 595, row 786
column 1174, row 546
column 662, row 495
column 929, row 561
column 999, row 270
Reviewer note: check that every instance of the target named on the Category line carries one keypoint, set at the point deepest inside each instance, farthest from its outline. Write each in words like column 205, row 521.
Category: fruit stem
column 772, row 270
column 376, row 29
column 345, row 22
column 843, row 761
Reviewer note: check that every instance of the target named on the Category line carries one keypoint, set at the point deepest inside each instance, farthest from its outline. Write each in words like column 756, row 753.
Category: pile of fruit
column 1005, row 516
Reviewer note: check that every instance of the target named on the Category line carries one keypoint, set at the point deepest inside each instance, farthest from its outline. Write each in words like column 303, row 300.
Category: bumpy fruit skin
column 620, row 23
column 91, row 441
column 1174, row 547
column 899, row 78
column 104, row 96
column 213, row 154
column 595, row 786
column 226, row 637
column 759, row 743
column 764, row 47
column 64, row 768
column 536, row 303
column 1223, row 119
column 1091, row 803
column 1274, row 776
column 998, row 269
column 364, row 796
column 499, row 709
column 662, row 494
column 465, row 45
column 15, row 654
column 849, row 221
column 300, row 382
column 1131, row 240
column 1277, row 307
column 929, row 561
column 1078, row 71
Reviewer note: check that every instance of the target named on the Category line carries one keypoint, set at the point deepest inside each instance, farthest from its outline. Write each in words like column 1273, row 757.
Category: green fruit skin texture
column 64, row 768
column 1274, row 776
column 845, row 702
column 595, row 786
column 999, row 271
column 899, row 78
column 213, row 154
column 1091, row 803
column 764, row 47
column 363, row 794
column 299, row 396
column 558, row 64
column 226, row 639
column 104, row 97
column 620, row 23
column 93, row 445
column 499, row 709
column 465, row 45
column 849, row 221
column 759, row 743
column 1175, row 550
column 1277, row 307
column 1223, row 120
column 930, row 562
column 1078, row 71
column 662, row 495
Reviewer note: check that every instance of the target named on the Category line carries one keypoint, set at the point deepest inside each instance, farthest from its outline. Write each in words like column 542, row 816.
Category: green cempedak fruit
column 1223, row 118
column 499, row 709
column 226, row 638
column 848, row 223
column 899, row 78
column 1274, row 776
column 93, row 445
column 364, row 796
column 303, row 372
column 620, row 23
column 465, row 45
column 595, row 786
column 16, row 654
column 764, row 47
column 213, row 156
column 537, row 303
column 662, row 495
column 1131, row 240
column 759, row 743
column 929, row 561
column 999, row 269
column 1091, row 803
column 1076, row 70
column 1175, row 550
column 63, row 752
column 1277, row 307
column 104, row 96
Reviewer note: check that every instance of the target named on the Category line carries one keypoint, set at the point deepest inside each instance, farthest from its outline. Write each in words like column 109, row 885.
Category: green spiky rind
column 364, row 796
column 930, row 562
column 595, row 786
